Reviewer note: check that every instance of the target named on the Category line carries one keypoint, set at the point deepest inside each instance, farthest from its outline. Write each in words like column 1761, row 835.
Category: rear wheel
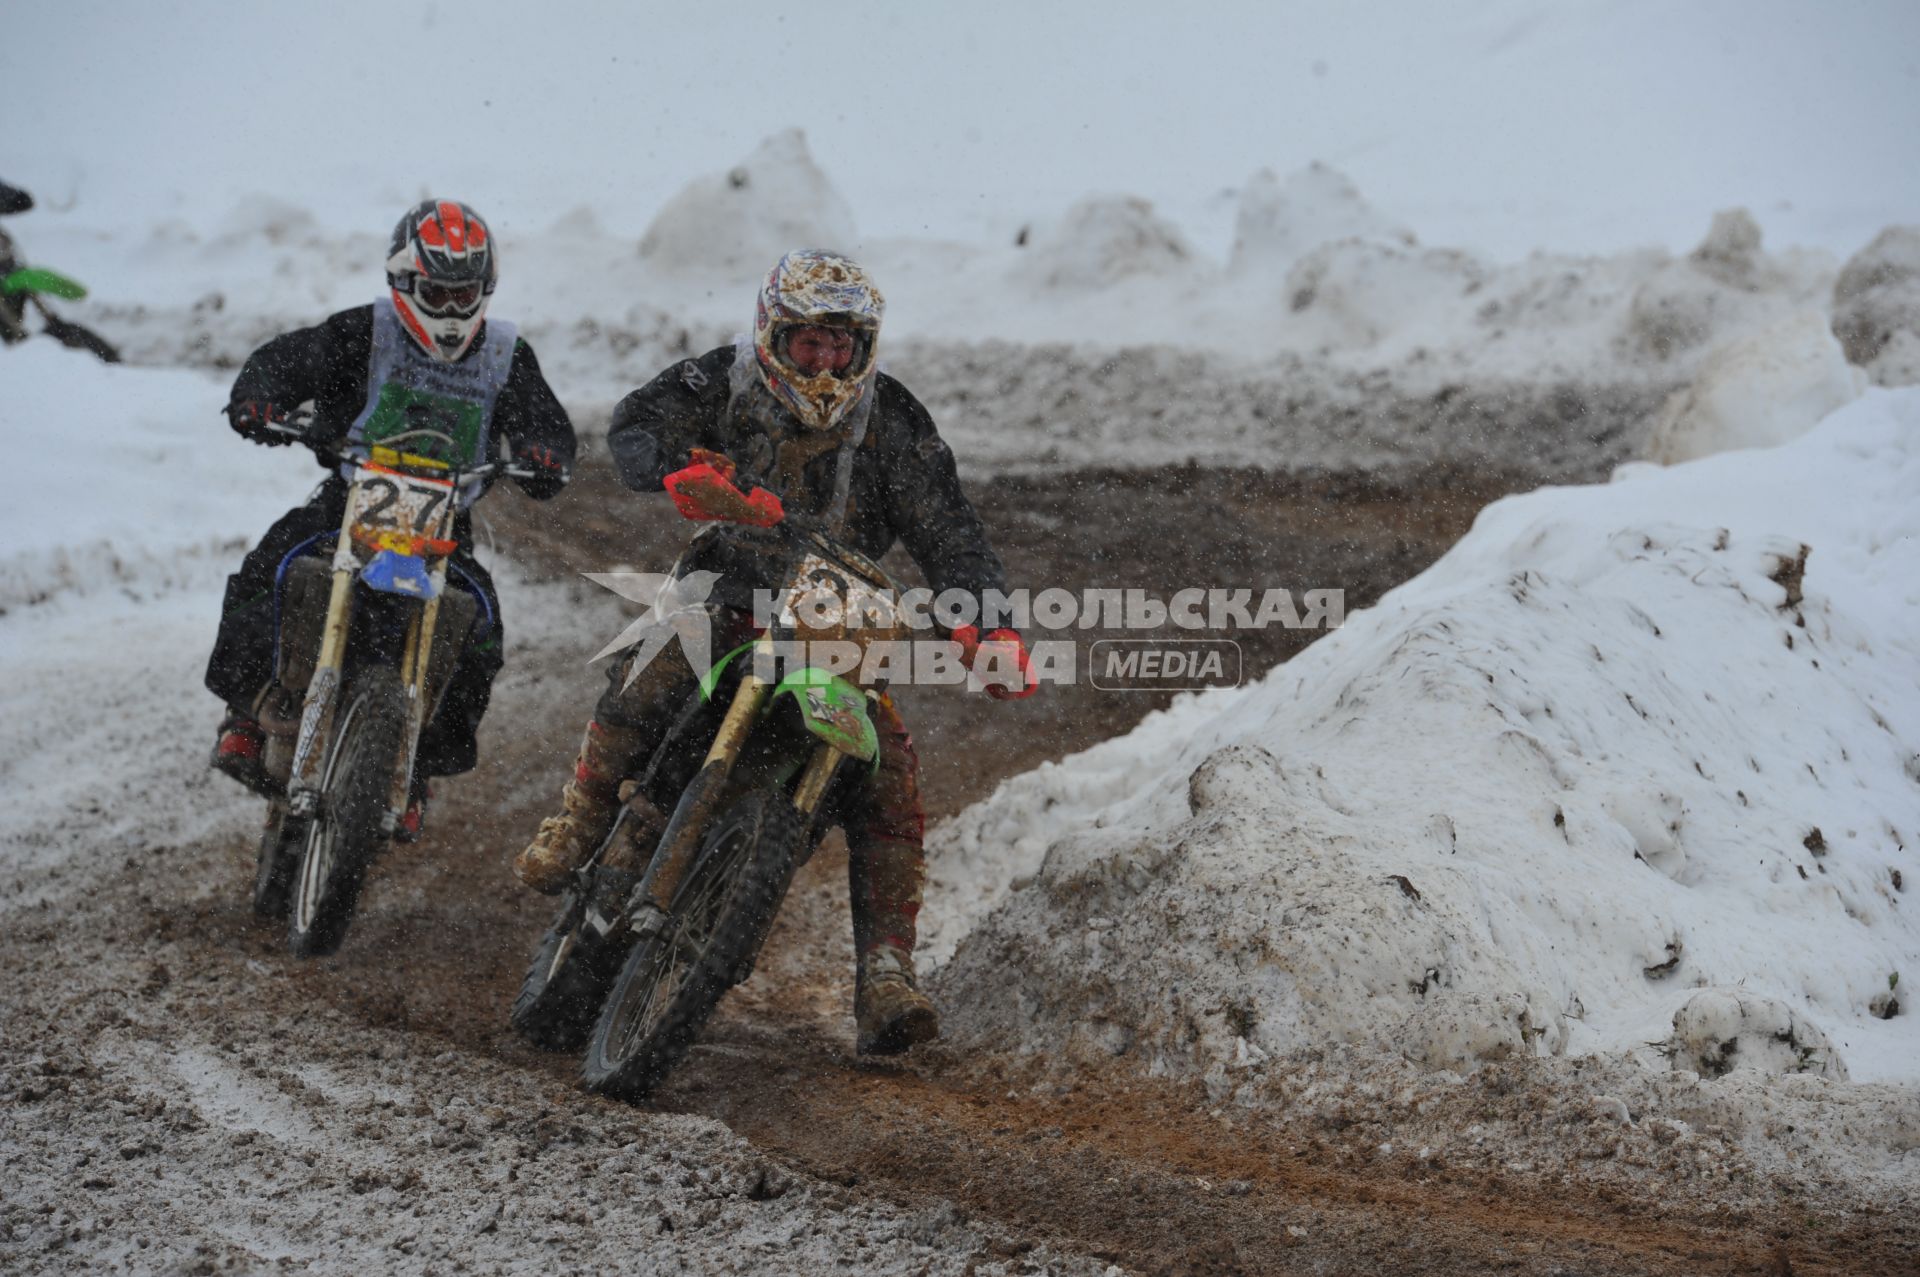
column 346, row 829
column 674, row 979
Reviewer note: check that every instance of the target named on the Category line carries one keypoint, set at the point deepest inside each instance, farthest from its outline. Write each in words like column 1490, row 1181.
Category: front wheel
column 347, row 827
column 673, row 979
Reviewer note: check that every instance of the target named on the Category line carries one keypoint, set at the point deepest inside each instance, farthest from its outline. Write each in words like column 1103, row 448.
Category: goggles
column 447, row 299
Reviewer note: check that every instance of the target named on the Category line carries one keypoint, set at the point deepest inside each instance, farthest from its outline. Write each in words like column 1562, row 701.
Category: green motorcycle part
column 37, row 279
column 834, row 710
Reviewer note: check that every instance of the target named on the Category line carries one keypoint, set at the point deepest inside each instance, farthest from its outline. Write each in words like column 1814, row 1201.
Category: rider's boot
column 887, row 875
column 413, row 823
column 888, row 1008
column 588, row 806
column 241, row 752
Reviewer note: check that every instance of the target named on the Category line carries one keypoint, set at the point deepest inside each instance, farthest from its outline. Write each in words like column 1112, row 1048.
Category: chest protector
column 408, row 389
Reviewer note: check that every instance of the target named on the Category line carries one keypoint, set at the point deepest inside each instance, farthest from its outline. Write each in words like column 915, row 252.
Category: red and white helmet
column 810, row 287
column 442, row 269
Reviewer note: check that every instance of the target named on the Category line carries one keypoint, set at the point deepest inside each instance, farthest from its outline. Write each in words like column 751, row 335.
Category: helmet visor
column 811, row 350
column 441, row 300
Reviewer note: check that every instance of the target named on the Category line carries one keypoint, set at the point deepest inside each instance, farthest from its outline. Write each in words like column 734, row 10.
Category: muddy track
column 1109, row 1166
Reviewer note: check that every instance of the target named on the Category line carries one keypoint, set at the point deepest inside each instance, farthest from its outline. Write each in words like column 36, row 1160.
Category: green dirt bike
column 755, row 771
column 369, row 634
column 26, row 286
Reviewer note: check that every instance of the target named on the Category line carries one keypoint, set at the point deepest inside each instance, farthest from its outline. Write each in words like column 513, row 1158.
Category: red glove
column 1008, row 645
column 702, row 492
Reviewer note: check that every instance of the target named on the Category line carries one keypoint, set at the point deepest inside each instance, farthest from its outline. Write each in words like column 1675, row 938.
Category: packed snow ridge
column 1552, row 363
column 1634, row 770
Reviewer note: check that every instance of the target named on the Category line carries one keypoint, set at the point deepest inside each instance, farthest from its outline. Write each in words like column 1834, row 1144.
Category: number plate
column 824, row 597
column 395, row 511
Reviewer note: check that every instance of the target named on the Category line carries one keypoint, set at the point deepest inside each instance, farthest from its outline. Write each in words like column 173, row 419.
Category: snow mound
column 1758, row 391
column 1634, row 769
column 1876, row 300
column 1360, row 292
column 1103, row 240
column 1279, row 222
column 1725, row 284
column 739, row 223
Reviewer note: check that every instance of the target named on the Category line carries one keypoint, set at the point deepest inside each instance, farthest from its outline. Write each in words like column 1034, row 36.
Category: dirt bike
column 367, row 642
column 23, row 286
column 755, row 771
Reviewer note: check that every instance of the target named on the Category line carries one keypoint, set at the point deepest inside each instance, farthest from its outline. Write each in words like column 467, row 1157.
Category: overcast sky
column 1501, row 125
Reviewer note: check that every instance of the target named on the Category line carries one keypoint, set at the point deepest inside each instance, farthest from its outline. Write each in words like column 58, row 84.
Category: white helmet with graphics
column 442, row 268
column 814, row 334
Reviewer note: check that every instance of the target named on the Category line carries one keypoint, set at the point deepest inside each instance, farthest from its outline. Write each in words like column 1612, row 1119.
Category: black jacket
column 903, row 489
column 328, row 364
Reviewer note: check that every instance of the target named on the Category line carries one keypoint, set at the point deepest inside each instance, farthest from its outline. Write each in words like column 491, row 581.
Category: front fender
column 391, row 572
column 834, row 710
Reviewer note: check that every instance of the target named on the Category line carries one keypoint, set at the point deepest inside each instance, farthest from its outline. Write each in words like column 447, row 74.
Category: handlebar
column 298, row 421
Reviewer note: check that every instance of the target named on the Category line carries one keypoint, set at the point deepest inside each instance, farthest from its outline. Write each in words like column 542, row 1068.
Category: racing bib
column 408, row 389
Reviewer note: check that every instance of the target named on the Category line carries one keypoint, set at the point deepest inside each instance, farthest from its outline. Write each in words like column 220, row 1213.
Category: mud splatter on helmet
column 442, row 268
column 811, row 287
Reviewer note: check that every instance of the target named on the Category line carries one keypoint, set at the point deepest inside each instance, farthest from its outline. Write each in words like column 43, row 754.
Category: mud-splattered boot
column 890, row 1012
column 589, row 804
column 240, row 752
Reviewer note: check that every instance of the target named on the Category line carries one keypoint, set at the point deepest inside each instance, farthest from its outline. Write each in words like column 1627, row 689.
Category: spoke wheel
column 673, row 980
column 346, row 829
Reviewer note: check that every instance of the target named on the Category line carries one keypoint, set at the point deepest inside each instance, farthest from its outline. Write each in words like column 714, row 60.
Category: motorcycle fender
column 38, row 279
column 403, row 574
column 711, row 679
column 834, row 710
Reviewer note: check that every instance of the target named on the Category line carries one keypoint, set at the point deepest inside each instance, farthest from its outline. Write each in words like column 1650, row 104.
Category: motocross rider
column 13, row 307
column 423, row 355
column 801, row 409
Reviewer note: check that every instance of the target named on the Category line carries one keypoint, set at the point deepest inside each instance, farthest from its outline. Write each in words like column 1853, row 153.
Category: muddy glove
column 250, row 419
column 551, row 474
column 1006, row 648
column 705, row 492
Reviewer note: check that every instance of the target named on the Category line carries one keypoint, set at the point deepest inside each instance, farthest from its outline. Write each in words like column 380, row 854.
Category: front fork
column 698, row 802
column 321, row 707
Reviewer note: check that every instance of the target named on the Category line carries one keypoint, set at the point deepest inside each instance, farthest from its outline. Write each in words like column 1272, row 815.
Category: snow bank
column 1277, row 222
column 740, row 222
column 1876, row 305
column 1634, row 769
column 1758, row 391
column 1329, row 338
column 1104, row 240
